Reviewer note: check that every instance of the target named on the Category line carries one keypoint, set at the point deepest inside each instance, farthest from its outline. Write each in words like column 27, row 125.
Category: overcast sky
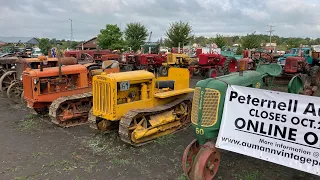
column 50, row 18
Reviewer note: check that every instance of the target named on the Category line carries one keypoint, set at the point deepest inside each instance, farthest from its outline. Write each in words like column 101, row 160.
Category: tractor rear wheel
column 315, row 75
column 230, row 65
column 163, row 71
column 213, row 73
column 6, row 80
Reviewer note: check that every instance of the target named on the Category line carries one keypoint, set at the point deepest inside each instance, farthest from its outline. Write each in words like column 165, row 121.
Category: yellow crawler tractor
column 175, row 60
column 141, row 106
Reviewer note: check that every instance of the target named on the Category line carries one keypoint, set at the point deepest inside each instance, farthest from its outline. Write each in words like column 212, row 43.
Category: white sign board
column 216, row 50
column 277, row 127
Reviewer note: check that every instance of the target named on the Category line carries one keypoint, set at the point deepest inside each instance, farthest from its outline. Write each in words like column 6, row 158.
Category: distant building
column 91, row 44
column 268, row 44
column 19, row 40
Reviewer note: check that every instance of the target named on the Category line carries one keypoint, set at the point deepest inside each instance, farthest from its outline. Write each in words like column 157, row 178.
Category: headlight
column 35, row 81
column 21, row 78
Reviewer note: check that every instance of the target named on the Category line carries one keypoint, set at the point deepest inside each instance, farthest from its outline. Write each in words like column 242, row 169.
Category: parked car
column 6, row 55
column 36, row 52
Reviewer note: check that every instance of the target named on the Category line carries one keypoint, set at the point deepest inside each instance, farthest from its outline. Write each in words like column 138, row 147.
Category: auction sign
column 274, row 126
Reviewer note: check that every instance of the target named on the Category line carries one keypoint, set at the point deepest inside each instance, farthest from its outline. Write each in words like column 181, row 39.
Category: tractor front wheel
column 315, row 75
column 206, row 163
column 212, row 73
column 195, row 69
column 163, row 70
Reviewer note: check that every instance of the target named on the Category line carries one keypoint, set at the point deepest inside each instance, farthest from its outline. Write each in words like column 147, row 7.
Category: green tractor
column 201, row 158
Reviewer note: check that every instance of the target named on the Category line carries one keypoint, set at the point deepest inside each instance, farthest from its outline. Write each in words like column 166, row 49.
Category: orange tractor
column 64, row 92
column 11, row 81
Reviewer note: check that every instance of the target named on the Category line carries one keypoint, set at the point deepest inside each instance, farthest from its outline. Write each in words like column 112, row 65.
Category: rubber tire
column 225, row 69
column 195, row 73
column 165, row 69
column 210, row 73
column 128, row 67
column 313, row 71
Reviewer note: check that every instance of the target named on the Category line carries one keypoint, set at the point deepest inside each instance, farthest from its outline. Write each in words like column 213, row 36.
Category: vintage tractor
column 130, row 61
column 111, row 57
column 175, row 60
column 63, row 91
column 14, row 90
column 151, row 62
column 139, row 105
column 311, row 57
column 201, row 158
column 213, row 65
column 7, row 68
column 309, row 73
column 87, row 56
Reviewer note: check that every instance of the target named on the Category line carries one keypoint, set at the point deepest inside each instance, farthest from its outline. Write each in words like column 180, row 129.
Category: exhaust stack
column 59, row 62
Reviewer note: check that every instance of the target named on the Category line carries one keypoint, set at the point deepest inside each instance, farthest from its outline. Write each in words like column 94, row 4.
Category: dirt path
column 33, row 148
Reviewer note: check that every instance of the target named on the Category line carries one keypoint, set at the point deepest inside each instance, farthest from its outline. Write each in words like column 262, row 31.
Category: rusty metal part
column 6, row 80
column 125, row 131
column 68, row 61
column 14, row 92
column 188, row 155
column 22, row 100
column 71, row 110
column 206, row 163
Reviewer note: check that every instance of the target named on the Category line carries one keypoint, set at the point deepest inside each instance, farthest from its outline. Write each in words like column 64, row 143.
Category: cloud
column 50, row 18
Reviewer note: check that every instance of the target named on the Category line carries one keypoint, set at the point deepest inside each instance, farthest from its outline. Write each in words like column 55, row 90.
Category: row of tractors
column 207, row 65
column 142, row 105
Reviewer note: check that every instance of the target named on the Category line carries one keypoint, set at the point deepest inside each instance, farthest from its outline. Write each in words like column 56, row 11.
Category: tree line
column 135, row 34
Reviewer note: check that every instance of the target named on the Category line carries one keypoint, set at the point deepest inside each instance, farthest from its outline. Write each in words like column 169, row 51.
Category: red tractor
column 130, row 61
column 213, row 65
column 151, row 62
column 309, row 73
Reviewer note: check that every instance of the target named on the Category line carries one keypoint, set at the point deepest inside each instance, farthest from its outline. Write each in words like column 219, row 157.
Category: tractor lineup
column 151, row 99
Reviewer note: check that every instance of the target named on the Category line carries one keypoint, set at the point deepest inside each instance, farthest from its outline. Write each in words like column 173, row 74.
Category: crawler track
column 125, row 122
column 72, row 110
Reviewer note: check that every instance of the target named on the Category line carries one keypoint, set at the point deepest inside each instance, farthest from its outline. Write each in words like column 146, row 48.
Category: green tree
column 135, row 34
column 73, row 44
column 201, row 40
column 220, row 41
column 179, row 32
column 239, row 51
column 110, row 38
column 292, row 43
column 250, row 41
column 44, row 45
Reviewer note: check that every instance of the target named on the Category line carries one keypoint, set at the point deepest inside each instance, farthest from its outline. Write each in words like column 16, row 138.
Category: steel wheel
column 22, row 100
column 188, row 156
column 6, row 80
column 206, row 163
column 14, row 92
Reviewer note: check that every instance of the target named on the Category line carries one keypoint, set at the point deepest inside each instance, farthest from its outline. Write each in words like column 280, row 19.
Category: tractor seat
column 165, row 84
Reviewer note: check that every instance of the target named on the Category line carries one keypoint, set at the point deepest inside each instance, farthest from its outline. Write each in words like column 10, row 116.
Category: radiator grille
column 101, row 97
column 210, row 107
